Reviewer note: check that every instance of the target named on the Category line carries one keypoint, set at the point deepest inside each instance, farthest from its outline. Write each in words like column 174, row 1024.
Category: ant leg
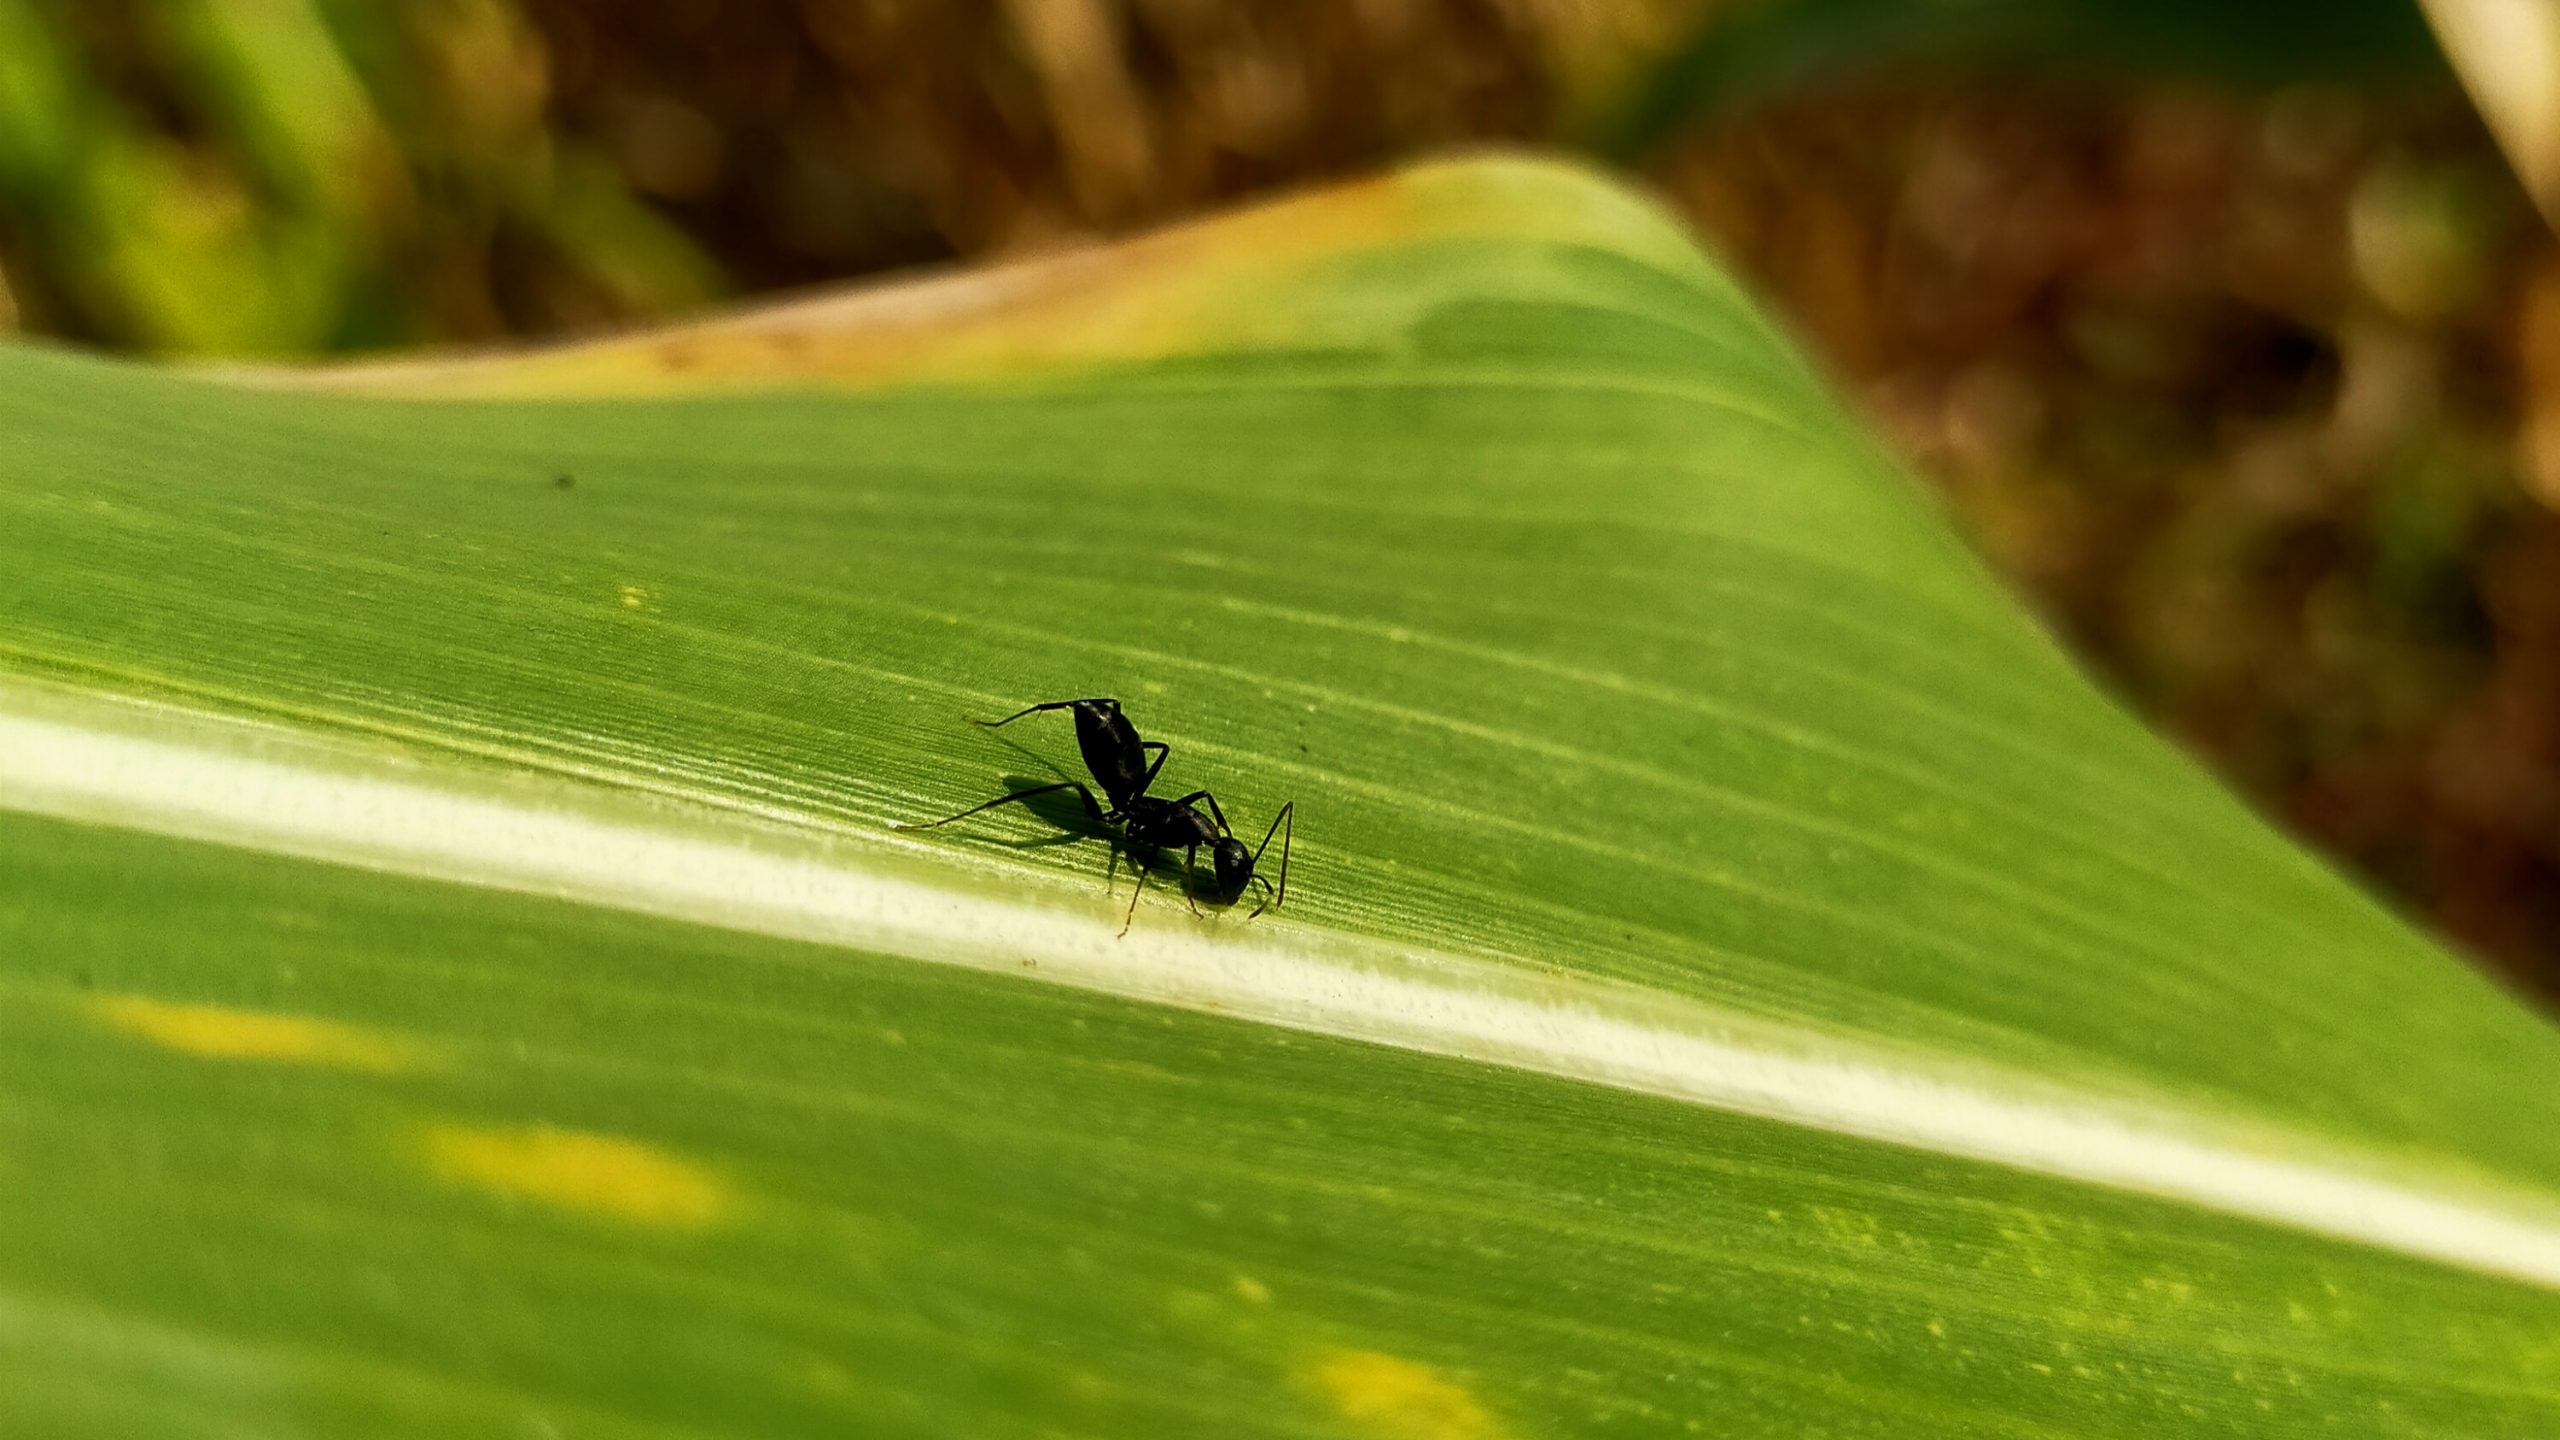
column 1266, row 889
column 1046, row 705
column 1162, row 750
column 1090, row 808
column 1144, row 875
column 1288, row 813
column 1221, row 815
column 1191, row 877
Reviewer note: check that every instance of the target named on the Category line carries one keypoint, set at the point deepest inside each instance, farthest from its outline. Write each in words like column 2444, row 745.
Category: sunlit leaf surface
column 1613, row 671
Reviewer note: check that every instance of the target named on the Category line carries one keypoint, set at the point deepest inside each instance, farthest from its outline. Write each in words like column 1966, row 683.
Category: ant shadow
column 1065, row 814
column 1060, row 811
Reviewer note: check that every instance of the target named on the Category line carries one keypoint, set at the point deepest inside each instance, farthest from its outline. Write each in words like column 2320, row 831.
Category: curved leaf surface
column 1737, row 977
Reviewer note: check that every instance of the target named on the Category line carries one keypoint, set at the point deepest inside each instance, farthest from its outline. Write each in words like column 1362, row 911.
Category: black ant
column 1118, row 760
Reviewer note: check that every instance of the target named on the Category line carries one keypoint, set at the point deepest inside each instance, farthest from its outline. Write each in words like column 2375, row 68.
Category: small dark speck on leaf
column 564, row 481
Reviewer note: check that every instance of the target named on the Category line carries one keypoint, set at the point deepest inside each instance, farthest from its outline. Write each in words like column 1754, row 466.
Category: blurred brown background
column 2232, row 340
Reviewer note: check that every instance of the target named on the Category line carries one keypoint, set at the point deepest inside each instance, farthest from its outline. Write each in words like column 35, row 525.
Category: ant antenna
column 1285, row 816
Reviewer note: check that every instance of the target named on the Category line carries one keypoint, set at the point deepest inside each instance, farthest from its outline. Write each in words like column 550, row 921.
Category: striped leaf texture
column 458, row 974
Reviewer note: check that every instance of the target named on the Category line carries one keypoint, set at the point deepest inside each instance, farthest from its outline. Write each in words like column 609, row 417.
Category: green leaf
column 1740, row 54
column 1736, row 978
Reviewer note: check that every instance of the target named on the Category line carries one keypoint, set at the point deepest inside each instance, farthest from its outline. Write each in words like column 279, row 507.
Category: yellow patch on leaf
column 1225, row 284
column 221, row 1032
column 581, row 1172
column 1398, row 1399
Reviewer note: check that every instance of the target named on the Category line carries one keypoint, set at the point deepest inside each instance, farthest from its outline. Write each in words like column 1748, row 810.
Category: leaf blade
column 1606, row 661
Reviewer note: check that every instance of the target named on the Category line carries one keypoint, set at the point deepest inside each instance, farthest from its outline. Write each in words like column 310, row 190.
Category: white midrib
column 196, row 776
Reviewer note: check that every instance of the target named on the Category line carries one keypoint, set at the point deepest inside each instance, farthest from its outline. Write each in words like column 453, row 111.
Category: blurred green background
column 2226, row 330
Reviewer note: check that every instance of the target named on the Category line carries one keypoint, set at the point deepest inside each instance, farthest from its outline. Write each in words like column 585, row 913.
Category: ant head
column 1235, row 863
column 1234, row 866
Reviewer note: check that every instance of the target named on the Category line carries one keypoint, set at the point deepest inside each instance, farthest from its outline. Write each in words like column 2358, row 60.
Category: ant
column 1118, row 760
